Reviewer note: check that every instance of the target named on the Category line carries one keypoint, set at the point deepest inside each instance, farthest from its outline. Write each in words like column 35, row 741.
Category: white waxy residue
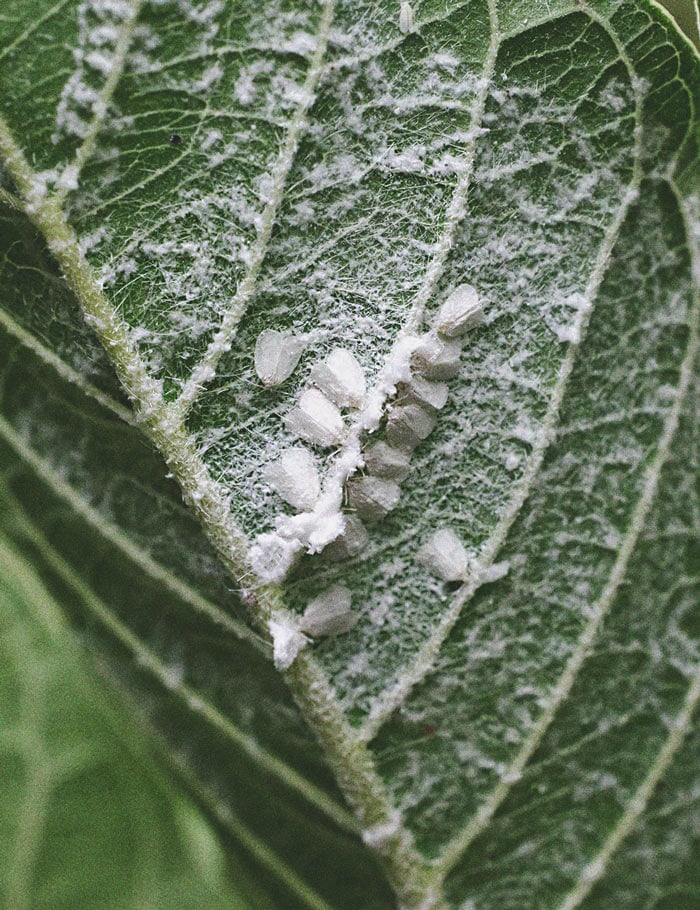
column 329, row 614
column 461, row 312
column 277, row 355
column 294, row 477
column 437, row 358
column 406, row 20
column 373, row 497
column 287, row 640
column 341, row 378
column 316, row 419
column 444, row 555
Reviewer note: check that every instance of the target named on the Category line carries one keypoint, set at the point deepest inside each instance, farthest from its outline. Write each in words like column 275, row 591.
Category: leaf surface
column 187, row 175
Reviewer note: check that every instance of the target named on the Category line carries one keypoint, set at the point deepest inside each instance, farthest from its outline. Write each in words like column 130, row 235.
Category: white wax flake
column 329, row 614
column 287, row 640
column 341, row 378
column 406, row 20
column 494, row 572
column 461, row 312
column 353, row 539
column 373, row 497
column 271, row 556
column 444, row 555
column 277, row 355
column 425, row 392
column 294, row 477
column 408, row 425
column 316, row 419
column 379, row 835
column 437, row 358
column 382, row 460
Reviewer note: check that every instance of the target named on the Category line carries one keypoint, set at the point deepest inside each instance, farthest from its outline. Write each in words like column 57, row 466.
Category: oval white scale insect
column 461, row 312
column 276, row 356
column 437, row 358
column 353, row 539
column 373, row 497
column 406, row 19
column 294, row 477
column 316, row 419
column 341, row 378
column 329, row 614
column 444, row 555
column 408, row 425
column 382, row 460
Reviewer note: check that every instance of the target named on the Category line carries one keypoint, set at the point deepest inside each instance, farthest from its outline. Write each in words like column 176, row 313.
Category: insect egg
column 276, row 356
column 373, row 497
column 294, row 477
column 461, row 312
column 408, row 425
column 384, row 461
column 444, row 555
column 316, row 419
column 437, row 358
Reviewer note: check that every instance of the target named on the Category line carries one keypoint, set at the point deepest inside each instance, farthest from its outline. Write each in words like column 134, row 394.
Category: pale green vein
column 122, row 542
column 250, row 841
column 565, row 683
column 395, row 695
column 146, row 659
column 205, row 370
column 103, row 101
column 679, row 729
column 64, row 370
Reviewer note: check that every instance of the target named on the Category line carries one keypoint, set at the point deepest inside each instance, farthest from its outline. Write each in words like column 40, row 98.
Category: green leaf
column 182, row 176
column 88, row 819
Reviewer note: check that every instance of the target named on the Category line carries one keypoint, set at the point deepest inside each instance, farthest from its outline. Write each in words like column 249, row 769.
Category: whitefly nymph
column 445, row 556
column 316, row 419
column 406, row 19
column 294, row 477
column 277, row 355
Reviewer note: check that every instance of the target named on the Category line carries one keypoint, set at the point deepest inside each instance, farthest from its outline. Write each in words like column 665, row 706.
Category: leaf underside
column 308, row 166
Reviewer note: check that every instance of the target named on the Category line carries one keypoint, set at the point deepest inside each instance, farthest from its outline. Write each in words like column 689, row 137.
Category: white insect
column 287, row 640
column 341, row 378
column 461, row 312
column 444, row 555
column 294, row 477
column 329, row 614
column 408, row 425
column 277, row 355
column 384, row 461
column 316, row 419
column 353, row 539
column 437, row 358
column 430, row 394
column 406, row 20
column 373, row 497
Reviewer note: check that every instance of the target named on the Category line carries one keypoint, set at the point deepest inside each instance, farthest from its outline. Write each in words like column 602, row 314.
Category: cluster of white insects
column 337, row 385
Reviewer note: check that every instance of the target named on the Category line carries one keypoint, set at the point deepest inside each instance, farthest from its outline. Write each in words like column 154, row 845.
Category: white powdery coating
column 287, row 640
column 341, row 378
column 329, row 614
column 276, row 356
column 461, row 312
column 379, row 835
column 294, row 477
column 445, row 556
column 316, row 419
